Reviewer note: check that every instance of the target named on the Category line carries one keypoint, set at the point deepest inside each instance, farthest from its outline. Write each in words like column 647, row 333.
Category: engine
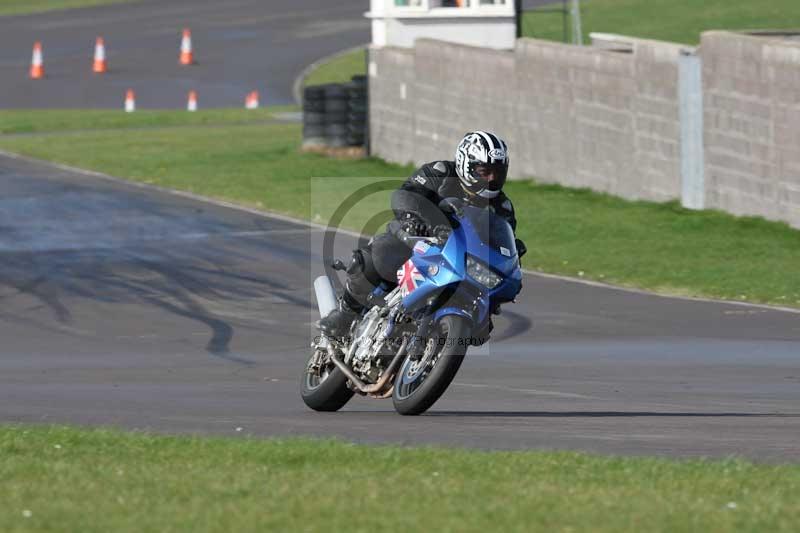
column 371, row 348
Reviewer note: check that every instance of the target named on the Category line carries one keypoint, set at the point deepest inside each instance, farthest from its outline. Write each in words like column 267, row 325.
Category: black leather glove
column 414, row 225
column 451, row 206
column 521, row 248
column 442, row 232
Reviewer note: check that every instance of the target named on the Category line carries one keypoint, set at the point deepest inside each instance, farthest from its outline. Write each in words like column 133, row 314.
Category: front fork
column 418, row 343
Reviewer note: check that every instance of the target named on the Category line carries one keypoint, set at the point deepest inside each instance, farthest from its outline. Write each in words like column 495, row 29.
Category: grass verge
column 338, row 69
column 56, row 120
column 64, row 479
column 667, row 20
column 579, row 233
column 23, row 7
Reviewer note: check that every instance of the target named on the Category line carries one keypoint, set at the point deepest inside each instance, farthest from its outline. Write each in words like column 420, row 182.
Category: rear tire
column 312, row 119
column 326, row 393
column 336, row 106
column 314, row 106
column 334, row 91
column 313, row 130
column 417, row 389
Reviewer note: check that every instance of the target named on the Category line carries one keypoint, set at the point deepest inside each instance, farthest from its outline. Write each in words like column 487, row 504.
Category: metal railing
column 570, row 11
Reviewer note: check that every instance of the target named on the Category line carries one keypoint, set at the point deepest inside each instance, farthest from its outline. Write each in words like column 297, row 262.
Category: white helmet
column 482, row 163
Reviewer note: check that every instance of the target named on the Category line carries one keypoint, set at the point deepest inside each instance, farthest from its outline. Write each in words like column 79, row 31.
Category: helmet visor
column 491, row 175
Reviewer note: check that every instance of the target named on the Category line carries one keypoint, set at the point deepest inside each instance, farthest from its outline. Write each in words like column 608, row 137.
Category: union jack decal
column 422, row 247
column 408, row 278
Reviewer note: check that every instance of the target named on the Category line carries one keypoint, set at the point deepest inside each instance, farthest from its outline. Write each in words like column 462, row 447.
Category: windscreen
column 492, row 229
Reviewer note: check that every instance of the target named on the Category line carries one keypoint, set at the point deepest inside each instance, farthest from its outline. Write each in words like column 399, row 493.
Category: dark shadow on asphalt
column 599, row 414
column 517, row 325
column 178, row 279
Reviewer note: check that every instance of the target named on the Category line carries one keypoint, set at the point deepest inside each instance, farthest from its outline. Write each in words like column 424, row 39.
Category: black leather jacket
column 430, row 184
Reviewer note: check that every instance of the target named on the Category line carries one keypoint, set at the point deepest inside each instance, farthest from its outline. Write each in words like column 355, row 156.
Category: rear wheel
column 421, row 380
column 324, row 387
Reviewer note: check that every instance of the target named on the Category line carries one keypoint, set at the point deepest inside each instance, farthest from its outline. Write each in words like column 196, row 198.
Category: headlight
column 482, row 273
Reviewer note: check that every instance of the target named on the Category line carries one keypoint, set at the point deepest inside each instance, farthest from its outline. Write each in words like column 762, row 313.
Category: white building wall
column 484, row 25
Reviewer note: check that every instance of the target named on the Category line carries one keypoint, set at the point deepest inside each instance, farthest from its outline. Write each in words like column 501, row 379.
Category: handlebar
column 396, row 229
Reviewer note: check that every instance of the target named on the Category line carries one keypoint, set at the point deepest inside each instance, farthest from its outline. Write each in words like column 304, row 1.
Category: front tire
column 416, row 388
column 325, row 390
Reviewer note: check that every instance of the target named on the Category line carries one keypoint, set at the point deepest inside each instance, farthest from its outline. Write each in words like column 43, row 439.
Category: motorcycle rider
column 476, row 176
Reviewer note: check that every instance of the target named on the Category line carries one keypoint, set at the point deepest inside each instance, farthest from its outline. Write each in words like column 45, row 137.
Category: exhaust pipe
column 327, row 302
column 326, row 296
column 378, row 387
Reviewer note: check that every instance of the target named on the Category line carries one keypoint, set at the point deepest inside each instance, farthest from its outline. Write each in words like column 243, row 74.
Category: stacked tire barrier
column 314, row 116
column 335, row 115
column 357, row 120
column 336, row 108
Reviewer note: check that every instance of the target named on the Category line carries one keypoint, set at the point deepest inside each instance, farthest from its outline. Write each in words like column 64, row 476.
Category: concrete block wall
column 572, row 115
column 603, row 119
column 656, row 111
column 449, row 99
column 391, row 113
column 590, row 117
column 751, row 88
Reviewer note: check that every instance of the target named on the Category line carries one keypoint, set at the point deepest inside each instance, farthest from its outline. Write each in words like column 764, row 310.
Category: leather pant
column 378, row 261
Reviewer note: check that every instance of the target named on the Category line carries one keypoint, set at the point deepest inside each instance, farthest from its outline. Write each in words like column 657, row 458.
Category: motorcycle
column 410, row 340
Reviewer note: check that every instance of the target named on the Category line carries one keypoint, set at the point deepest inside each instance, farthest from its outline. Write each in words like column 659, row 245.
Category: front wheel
column 423, row 379
column 324, row 386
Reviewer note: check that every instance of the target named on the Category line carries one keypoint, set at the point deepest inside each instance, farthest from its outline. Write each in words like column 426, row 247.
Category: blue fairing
column 488, row 238
column 451, row 310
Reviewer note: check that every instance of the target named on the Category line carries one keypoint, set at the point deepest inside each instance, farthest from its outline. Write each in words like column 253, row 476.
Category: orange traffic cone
column 99, row 66
column 251, row 102
column 37, row 66
column 187, row 58
column 130, row 101
column 191, row 104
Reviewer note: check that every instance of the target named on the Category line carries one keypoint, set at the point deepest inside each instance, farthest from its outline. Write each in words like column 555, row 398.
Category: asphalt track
column 239, row 46
column 129, row 307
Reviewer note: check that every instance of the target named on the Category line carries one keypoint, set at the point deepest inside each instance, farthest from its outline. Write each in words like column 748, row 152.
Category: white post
column 577, row 31
column 691, row 118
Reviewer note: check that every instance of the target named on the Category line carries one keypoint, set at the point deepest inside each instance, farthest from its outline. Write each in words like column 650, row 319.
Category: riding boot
column 337, row 322
column 356, row 291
